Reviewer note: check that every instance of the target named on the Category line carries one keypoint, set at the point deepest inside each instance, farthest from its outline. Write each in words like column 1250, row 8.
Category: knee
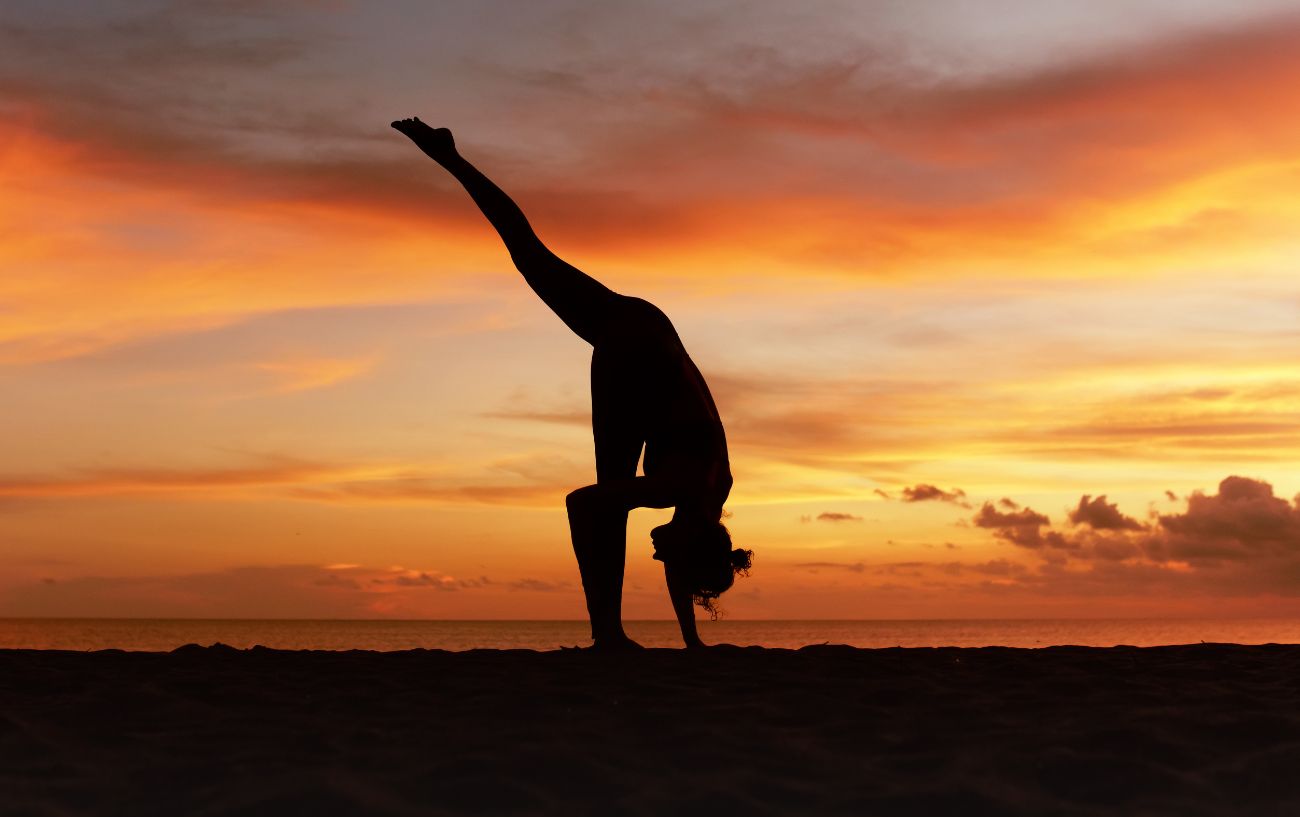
column 582, row 499
column 593, row 499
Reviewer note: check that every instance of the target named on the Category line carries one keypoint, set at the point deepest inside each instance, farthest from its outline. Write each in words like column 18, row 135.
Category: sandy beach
column 1189, row 730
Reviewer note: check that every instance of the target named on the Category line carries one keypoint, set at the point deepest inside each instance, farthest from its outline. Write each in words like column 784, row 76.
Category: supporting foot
column 615, row 644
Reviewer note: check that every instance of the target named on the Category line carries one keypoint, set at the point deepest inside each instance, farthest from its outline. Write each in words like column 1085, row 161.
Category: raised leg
column 583, row 303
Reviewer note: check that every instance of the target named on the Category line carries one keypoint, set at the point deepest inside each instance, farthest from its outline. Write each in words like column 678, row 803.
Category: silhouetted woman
column 645, row 391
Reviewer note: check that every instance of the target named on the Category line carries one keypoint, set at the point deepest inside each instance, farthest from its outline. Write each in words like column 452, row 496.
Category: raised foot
column 411, row 126
column 437, row 142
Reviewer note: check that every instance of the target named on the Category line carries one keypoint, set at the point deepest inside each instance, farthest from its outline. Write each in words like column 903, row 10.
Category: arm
column 582, row 302
column 683, row 605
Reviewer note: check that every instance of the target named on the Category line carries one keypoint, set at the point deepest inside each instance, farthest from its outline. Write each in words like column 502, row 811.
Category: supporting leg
column 599, row 531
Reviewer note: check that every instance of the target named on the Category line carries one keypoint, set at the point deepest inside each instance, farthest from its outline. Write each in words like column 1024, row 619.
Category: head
column 700, row 552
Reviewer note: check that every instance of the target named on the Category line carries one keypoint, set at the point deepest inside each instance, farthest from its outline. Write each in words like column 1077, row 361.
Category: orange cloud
column 103, row 481
column 129, row 258
column 344, row 484
column 442, row 491
column 277, row 591
column 1179, row 153
column 796, row 435
column 867, row 167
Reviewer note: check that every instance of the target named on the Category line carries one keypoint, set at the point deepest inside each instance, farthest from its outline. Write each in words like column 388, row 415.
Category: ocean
column 168, row 634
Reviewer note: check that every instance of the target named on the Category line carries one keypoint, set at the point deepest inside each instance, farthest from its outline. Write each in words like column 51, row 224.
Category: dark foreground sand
column 1205, row 729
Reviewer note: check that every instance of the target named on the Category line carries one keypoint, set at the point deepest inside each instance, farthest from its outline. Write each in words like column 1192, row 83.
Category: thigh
column 617, row 408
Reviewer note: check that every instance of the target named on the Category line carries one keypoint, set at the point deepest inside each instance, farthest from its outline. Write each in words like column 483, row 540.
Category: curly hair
column 710, row 565
column 706, row 592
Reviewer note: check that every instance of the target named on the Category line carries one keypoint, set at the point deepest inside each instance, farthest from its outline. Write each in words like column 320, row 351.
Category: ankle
column 610, row 634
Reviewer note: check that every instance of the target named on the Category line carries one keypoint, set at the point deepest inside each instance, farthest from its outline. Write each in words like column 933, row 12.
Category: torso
column 662, row 392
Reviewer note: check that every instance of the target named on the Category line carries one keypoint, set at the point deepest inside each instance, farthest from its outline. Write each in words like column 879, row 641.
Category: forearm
column 683, row 606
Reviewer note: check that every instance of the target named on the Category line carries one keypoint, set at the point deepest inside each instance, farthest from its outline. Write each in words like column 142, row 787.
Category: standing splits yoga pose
column 645, row 391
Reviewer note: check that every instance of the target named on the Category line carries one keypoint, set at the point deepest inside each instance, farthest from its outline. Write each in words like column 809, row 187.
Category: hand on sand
column 436, row 142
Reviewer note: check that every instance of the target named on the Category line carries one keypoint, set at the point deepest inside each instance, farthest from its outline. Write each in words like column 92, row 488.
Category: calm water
column 167, row 634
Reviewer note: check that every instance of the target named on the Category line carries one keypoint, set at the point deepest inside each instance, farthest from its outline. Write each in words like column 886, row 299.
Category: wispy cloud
column 851, row 567
column 305, row 374
column 442, row 490
column 266, row 591
column 893, row 164
column 837, row 516
column 99, row 481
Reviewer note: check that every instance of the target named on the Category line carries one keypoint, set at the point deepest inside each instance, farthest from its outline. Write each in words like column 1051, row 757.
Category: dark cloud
column 928, row 493
column 980, row 118
column 337, row 579
column 541, row 586
column 1009, row 504
column 993, row 567
column 852, row 567
column 997, row 567
column 1171, row 496
column 882, row 494
column 1243, row 522
column 1099, row 514
column 178, row 99
column 178, row 95
column 910, row 569
column 834, row 516
column 1242, row 540
column 1022, row 527
column 435, row 581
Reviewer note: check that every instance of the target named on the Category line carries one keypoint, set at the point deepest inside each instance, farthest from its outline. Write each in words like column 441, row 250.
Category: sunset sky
column 999, row 301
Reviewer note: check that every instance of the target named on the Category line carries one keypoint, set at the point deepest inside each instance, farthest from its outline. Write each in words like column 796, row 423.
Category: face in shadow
column 701, row 555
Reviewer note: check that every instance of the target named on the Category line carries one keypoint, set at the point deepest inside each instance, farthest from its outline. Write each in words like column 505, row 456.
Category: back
column 676, row 410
